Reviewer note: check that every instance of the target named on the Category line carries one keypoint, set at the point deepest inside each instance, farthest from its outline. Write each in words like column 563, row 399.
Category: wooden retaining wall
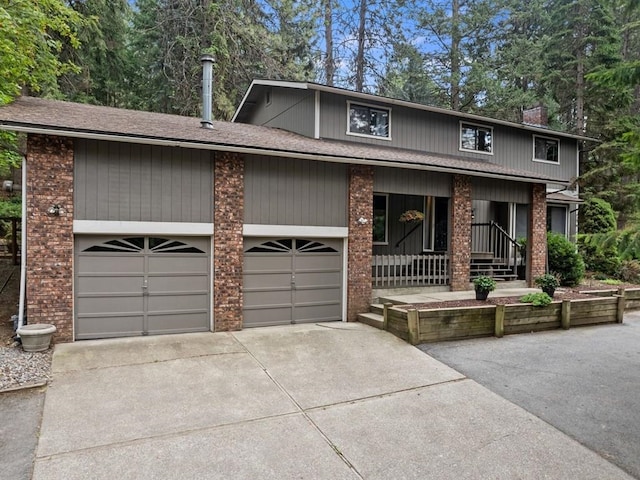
column 632, row 296
column 419, row 326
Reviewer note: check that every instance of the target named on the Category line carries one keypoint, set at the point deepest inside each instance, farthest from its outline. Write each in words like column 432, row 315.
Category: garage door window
column 136, row 244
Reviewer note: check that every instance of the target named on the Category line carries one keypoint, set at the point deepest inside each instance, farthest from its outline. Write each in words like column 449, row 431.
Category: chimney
column 207, row 84
column 536, row 116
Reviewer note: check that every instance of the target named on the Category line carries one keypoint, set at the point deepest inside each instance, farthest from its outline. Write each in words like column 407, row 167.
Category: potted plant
column 483, row 285
column 548, row 283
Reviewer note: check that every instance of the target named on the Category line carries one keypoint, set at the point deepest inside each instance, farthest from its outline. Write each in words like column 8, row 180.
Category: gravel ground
column 20, row 369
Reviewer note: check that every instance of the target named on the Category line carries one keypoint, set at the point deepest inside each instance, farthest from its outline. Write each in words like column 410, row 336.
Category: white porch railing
column 410, row 270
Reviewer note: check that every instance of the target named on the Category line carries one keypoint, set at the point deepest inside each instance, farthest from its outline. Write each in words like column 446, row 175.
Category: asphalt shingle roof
column 80, row 120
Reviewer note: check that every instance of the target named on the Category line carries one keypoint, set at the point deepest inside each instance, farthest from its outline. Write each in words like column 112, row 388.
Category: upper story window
column 476, row 138
column 546, row 149
column 369, row 121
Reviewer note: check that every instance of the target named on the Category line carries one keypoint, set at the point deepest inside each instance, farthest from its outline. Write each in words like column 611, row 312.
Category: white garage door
column 292, row 280
column 135, row 285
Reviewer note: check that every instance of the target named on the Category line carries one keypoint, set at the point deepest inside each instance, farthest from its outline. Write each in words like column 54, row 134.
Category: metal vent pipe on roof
column 207, row 86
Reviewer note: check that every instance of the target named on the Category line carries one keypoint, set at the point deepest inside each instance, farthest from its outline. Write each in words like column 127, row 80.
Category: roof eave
column 203, row 145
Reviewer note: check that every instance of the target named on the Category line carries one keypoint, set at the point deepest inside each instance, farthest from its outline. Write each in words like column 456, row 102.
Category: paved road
column 585, row 381
column 20, row 413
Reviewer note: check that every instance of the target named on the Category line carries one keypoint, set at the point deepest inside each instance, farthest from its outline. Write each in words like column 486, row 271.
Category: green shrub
column 630, row 271
column 564, row 259
column 538, row 299
column 597, row 216
column 611, row 281
column 11, row 207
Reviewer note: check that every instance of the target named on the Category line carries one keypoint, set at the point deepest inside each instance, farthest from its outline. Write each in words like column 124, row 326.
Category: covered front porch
column 421, row 241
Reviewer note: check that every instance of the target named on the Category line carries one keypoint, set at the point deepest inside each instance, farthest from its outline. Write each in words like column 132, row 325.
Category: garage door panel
column 177, row 283
column 273, row 281
column 161, row 263
column 268, row 297
column 172, row 302
column 177, row 323
column 275, row 262
column 318, row 279
column 110, row 284
column 307, row 261
column 108, row 326
column 266, row 316
column 329, row 294
column 110, row 304
column 318, row 313
column 110, row 264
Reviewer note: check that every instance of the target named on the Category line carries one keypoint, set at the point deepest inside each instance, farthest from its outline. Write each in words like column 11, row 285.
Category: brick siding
column 537, row 242
column 360, row 240
column 460, row 269
column 50, row 237
column 227, row 239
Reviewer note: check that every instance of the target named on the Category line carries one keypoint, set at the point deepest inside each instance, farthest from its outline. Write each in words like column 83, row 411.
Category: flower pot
column 482, row 294
column 36, row 337
column 549, row 291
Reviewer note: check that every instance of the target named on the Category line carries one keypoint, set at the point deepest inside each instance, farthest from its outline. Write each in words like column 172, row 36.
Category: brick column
column 50, row 237
column 460, row 269
column 360, row 240
column 537, row 241
column 228, row 208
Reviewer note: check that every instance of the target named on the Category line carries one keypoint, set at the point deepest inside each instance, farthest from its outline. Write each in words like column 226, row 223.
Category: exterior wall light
column 54, row 210
column 362, row 221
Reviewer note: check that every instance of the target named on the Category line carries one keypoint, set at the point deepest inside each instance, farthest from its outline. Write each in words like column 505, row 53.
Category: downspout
column 23, row 244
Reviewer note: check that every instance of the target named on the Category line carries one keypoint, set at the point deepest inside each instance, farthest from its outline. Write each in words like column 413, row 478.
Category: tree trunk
column 360, row 54
column 455, row 55
column 329, row 63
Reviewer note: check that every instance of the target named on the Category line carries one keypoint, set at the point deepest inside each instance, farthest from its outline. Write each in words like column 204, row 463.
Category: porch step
column 376, row 308
column 372, row 319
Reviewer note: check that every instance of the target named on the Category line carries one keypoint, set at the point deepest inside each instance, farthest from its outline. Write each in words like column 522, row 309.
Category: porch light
column 54, row 210
column 362, row 221
column 473, row 213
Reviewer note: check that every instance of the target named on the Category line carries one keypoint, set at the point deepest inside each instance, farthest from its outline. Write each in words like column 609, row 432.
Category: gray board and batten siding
column 119, row 181
column 500, row 191
column 287, row 108
column 433, row 132
column 411, row 182
column 283, row 191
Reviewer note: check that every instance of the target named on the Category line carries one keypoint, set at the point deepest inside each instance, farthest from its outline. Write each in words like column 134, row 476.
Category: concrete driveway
column 585, row 381
column 334, row 401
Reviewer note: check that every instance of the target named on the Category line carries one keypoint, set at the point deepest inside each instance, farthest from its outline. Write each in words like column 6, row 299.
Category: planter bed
column 424, row 323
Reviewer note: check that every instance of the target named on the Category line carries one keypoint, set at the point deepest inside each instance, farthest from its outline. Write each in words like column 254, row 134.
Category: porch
column 493, row 252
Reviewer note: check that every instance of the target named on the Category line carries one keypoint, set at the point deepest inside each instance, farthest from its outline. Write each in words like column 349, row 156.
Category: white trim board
column 257, row 230
column 141, row 228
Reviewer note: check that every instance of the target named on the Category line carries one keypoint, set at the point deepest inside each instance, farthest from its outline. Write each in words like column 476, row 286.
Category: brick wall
column 537, row 241
column 50, row 237
column 360, row 240
column 460, row 233
column 228, row 213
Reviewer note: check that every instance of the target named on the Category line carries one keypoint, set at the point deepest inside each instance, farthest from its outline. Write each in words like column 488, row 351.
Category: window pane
column 468, row 140
column 557, row 220
column 379, row 123
column 484, row 140
column 380, row 218
column 369, row 121
column 359, row 119
column 546, row 149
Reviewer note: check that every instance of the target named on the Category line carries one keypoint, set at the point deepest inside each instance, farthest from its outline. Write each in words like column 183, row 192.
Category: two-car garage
column 132, row 285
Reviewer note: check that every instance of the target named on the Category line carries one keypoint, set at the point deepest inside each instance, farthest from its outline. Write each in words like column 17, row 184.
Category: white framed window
column 476, row 138
column 368, row 121
column 380, row 219
column 546, row 149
